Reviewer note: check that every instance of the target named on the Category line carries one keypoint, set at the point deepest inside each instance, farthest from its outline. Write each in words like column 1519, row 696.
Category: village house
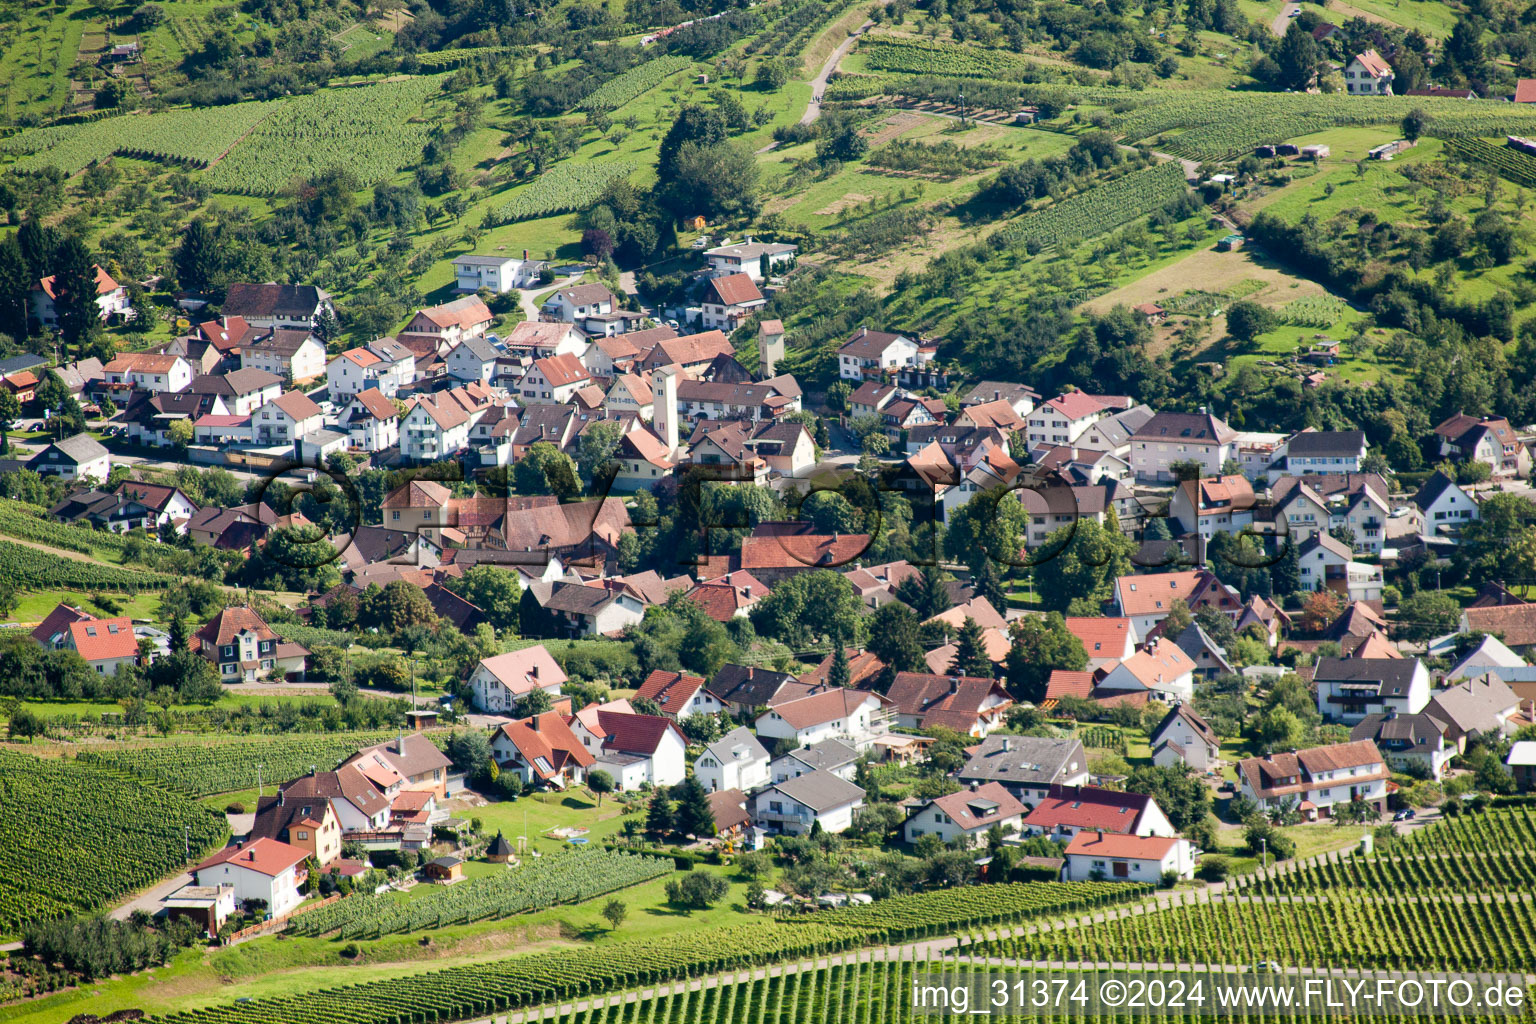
column 1183, row 737
column 264, row 873
column 969, row 705
column 1445, row 507
column 271, row 306
column 694, row 354
column 1486, row 439
column 965, row 817
column 1020, row 398
column 542, row 750
column 312, row 825
column 735, row 761
column 796, row 805
column 1161, row 669
column 408, row 763
column 1212, row 505
column 1408, row 741
column 576, row 610
column 1317, row 779
column 162, row 504
column 745, row 688
column 148, row 371
column 536, row 339
column 1108, row 857
column 111, row 298
column 1348, row 689
column 854, row 716
column 285, row 419
column 358, row 804
column 1327, row 563
column 371, row 421
column 872, row 355
column 1368, row 75
column 1481, row 708
column 575, row 304
column 1029, row 767
column 239, row 392
column 1062, row 420
column 553, row 381
column 499, row 683
column 750, row 258
column 635, row 749
column 679, row 696
column 293, row 354
column 497, row 273
column 244, row 649
column 447, row 325
column 384, row 364
column 1170, row 438
column 1066, row 812
column 1146, row 599
column 1321, row 453
column 729, row 300
column 106, row 645
column 79, row 458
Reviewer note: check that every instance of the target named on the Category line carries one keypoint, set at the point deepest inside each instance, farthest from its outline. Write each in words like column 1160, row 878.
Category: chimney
column 975, row 785
column 1269, row 756
column 533, row 722
column 240, row 845
column 1101, row 835
column 534, row 671
column 1007, row 744
column 250, row 854
column 954, row 684
column 400, row 743
column 997, row 394
column 525, row 255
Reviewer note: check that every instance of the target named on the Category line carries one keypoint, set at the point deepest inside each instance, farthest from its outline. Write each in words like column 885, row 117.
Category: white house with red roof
column 633, row 748
column 1146, row 598
column 554, row 380
column 286, row 418
column 1368, row 75
column 244, row 648
column 371, row 421
column 149, row 371
column 1161, row 668
column 105, row 644
column 1109, row 857
column 853, row 716
column 111, row 298
column 871, row 355
column 543, row 750
column 263, row 870
column 384, row 364
column 967, row 815
column 500, row 683
column 1070, row 810
column 1105, row 638
column 729, row 300
column 1062, row 420
column 451, row 322
column 1317, row 779
column 679, row 695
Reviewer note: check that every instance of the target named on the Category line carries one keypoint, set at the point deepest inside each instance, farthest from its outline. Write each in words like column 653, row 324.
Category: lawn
column 33, row 606
column 535, row 815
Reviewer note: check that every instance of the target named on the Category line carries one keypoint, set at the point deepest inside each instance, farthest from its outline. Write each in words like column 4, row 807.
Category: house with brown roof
column 358, row 804
column 1183, row 737
column 744, row 689
column 499, row 683
column 749, row 258
column 450, row 323
column 1348, row 689
column 418, row 766
column 241, row 392
column 872, row 355
column 576, row 609
column 276, row 305
column 1317, row 779
column 970, row 705
column 635, row 749
column 1170, row 438
column 1487, row 439
column 148, row 371
column 55, row 625
column 679, row 695
column 966, row 816
column 371, row 421
column 294, row 354
column 312, row 825
column 856, row 717
column 244, row 649
column 578, row 302
column 1513, row 624
column 285, row 419
column 732, row 596
column 728, row 300
column 542, row 750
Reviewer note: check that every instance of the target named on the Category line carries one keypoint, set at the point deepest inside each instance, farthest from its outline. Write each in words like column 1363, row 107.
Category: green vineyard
column 547, row 882
column 27, row 568
column 195, row 137
column 1510, row 164
column 568, row 186
column 1315, row 311
column 1099, row 209
column 228, row 764
column 368, row 130
column 910, row 57
column 637, row 81
column 31, row 522
column 74, row 838
column 928, row 913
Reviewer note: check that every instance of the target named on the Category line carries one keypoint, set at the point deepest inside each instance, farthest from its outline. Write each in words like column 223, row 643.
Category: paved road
column 149, row 900
column 530, row 309
column 819, row 83
column 1283, row 19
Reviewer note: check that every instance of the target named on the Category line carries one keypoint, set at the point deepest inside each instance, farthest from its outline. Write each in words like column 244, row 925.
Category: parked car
column 1406, row 814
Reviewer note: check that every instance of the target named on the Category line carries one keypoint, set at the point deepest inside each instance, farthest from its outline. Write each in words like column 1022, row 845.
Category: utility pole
column 186, row 844
column 258, row 780
column 962, row 108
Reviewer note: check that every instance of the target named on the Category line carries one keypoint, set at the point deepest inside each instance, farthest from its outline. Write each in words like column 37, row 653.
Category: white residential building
column 735, row 761
column 1108, row 857
column 796, row 805
column 263, row 871
column 498, row 273
column 854, row 716
column 501, row 682
column 1317, row 779
column 1348, row 689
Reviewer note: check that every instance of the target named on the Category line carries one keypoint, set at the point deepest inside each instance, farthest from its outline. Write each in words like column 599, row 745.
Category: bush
column 234, row 808
column 1214, row 868
column 351, row 951
column 1168, row 879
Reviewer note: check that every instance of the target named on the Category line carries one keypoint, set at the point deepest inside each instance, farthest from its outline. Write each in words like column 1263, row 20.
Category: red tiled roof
column 1090, row 808
column 822, row 707
column 1065, row 683
column 1525, row 90
column 800, row 551
column 230, row 622
column 958, row 806
column 101, row 639
column 670, row 690
column 1373, row 63
column 1109, row 844
column 547, row 736
column 562, row 369
column 104, row 283
column 733, row 290
column 266, row 856
column 1154, row 593
column 1102, row 637
column 1075, row 405
column 524, row 671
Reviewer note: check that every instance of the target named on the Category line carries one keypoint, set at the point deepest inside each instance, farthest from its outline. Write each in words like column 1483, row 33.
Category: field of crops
column 75, row 837
column 546, row 882
column 195, row 137
column 1103, row 737
column 975, row 906
column 1219, row 125
column 490, row 988
column 367, row 130
column 1511, row 164
column 226, row 764
column 619, row 90
column 572, row 185
column 1099, row 209
column 30, row 522
column 32, row 569
column 1315, row 311
column 911, row 57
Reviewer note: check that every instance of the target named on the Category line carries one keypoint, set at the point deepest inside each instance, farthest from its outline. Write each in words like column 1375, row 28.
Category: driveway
column 1283, row 19
column 530, row 308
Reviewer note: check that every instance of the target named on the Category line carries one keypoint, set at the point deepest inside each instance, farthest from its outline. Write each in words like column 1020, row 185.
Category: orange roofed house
column 543, row 751
column 499, row 683
column 111, row 298
column 263, row 872
column 244, row 649
column 406, row 764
